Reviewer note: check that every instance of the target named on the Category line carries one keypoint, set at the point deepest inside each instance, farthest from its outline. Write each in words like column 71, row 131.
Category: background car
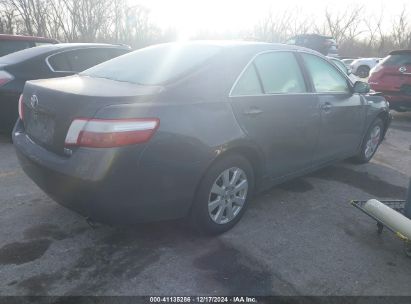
column 326, row 45
column 48, row 61
column 361, row 67
column 392, row 77
column 13, row 43
column 191, row 130
column 347, row 62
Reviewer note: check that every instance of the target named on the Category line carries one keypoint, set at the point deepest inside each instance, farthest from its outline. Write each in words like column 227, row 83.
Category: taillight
column 21, row 109
column 108, row 133
column 5, row 78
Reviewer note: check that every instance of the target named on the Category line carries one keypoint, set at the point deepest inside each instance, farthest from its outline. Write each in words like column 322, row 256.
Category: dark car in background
column 46, row 61
column 13, row 43
column 392, row 77
column 325, row 45
column 191, row 129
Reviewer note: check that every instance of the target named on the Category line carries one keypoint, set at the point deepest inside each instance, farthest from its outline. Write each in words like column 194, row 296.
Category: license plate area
column 40, row 126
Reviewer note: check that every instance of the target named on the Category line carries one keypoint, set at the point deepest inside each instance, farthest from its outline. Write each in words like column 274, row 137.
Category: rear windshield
column 155, row 65
column 396, row 60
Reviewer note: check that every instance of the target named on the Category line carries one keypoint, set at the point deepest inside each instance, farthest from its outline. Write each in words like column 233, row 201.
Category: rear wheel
column 223, row 195
column 363, row 71
column 371, row 142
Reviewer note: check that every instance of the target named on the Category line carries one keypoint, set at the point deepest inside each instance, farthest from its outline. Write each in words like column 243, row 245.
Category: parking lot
column 300, row 238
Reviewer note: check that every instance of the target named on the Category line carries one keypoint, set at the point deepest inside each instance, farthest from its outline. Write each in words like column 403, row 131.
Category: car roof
column 400, row 52
column 29, row 53
column 314, row 35
column 245, row 45
column 26, row 38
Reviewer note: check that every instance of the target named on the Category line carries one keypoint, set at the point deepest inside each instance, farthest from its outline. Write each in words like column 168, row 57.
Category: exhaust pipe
column 393, row 219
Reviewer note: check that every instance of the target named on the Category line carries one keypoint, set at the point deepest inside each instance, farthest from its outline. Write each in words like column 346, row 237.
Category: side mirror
column 361, row 87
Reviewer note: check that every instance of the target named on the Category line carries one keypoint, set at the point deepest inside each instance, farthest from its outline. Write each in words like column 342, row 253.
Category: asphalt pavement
column 299, row 238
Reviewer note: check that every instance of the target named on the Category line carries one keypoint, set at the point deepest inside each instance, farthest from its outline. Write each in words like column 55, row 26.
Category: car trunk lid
column 49, row 106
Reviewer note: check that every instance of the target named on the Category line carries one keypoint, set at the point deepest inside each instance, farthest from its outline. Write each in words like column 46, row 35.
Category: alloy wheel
column 227, row 195
column 373, row 142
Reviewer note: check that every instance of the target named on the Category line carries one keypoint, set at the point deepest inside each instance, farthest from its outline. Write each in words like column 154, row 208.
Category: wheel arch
column 250, row 153
column 385, row 117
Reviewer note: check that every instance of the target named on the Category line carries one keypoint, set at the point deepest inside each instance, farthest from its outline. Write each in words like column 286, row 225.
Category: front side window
column 341, row 66
column 326, row 78
column 280, row 73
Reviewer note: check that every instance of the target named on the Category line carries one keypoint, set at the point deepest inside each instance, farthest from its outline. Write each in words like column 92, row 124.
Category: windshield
column 155, row 65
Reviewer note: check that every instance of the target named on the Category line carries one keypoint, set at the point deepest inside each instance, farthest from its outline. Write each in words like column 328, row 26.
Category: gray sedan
column 192, row 130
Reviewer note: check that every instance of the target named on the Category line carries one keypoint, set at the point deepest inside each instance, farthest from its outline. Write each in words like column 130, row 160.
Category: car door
column 342, row 112
column 273, row 105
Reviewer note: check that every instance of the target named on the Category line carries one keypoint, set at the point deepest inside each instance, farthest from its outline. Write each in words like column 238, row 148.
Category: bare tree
column 401, row 30
column 344, row 25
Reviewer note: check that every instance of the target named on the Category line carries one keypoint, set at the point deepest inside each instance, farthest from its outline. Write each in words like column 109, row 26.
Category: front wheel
column 371, row 142
column 223, row 195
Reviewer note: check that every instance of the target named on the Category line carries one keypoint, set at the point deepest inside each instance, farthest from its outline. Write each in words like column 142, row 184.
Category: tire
column 363, row 71
column 210, row 212
column 370, row 142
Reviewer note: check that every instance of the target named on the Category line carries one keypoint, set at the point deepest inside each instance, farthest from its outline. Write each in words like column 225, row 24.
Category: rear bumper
column 109, row 185
column 396, row 98
column 398, row 101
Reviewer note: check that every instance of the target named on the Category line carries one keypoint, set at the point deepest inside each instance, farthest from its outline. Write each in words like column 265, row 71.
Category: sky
column 190, row 16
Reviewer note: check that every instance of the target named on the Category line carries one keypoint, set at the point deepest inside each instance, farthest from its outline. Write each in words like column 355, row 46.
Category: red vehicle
column 392, row 77
column 13, row 43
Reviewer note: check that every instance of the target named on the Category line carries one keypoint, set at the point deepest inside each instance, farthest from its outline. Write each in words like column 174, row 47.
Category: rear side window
column 10, row 46
column 59, row 62
column 280, row 73
column 42, row 43
column 397, row 60
column 79, row 60
column 156, row 64
column 326, row 78
column 248, row 84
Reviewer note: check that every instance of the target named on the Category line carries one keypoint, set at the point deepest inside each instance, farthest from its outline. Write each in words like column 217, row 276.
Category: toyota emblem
column 34, row 101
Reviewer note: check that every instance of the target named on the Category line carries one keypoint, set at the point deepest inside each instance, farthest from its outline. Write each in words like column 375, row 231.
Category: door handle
column 253, row 111
column 326, row 107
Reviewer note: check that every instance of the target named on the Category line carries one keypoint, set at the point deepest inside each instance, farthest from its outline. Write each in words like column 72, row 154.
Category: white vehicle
column 362, row 67
column 348, row 62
